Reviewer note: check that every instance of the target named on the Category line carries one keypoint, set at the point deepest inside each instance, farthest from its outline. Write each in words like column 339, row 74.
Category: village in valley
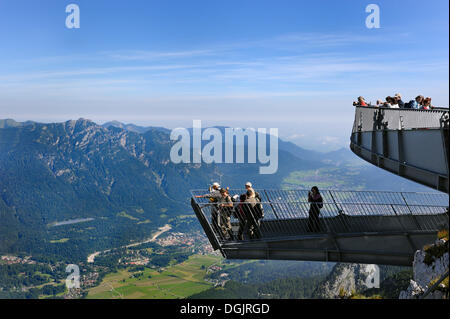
column 187, row 258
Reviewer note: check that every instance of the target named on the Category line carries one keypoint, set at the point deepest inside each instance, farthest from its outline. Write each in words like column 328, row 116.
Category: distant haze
column 293, row 65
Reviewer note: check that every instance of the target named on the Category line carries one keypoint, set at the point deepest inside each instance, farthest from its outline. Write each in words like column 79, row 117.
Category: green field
column 124, row 214
column 331, row 178
column 178, row 281
column 62, row 240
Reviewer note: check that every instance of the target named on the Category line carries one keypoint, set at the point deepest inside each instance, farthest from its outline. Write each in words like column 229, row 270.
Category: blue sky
column 294, row 65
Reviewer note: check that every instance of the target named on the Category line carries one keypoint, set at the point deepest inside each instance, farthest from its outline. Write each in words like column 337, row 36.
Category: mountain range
column 121, row 175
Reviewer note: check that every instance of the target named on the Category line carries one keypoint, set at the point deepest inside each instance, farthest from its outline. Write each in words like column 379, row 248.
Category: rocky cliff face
column 429, row 265
column 357, row 281
column 344, row 280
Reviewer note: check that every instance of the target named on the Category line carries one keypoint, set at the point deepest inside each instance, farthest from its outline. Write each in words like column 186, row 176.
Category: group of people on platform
column 396, row 102
column 247, row 208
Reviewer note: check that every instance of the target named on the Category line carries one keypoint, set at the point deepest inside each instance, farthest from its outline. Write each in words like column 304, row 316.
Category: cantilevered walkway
column 407, row 142
column 360, row 227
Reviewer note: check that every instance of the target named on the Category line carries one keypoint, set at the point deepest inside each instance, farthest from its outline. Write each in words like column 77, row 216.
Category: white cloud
column 326, row 140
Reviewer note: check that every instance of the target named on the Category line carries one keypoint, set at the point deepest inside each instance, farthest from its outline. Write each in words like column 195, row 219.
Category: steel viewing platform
column 360, row 227
column 355, row 226
column 408, row 142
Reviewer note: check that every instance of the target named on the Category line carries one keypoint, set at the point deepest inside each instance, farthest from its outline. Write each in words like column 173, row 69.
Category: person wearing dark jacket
column 316, row 201
column 248, row 214
column 258, row 208
column 242, row 214
column 400, row 103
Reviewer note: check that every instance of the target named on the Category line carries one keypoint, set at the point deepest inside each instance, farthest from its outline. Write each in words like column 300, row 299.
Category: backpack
column 259, row 210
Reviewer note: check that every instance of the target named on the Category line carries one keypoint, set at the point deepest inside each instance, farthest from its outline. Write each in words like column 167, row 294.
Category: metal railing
column 287, row 213
column 342, row 196
column 370, row 118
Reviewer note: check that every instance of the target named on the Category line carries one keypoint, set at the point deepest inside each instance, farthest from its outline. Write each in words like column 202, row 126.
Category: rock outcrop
column 344, row 280
column 429, row 265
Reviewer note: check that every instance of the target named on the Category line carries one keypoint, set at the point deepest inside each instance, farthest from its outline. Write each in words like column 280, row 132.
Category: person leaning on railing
column 214, row 197
column 416, row 103
column 361, row 102
column 214, row 193
column 396, row 102
column 427, row 104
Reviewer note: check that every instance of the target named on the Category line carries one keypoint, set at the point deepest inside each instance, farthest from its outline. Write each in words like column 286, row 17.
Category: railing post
column 444, row 125
column 340, row 211
column 335, row 203
column 411, row 244
column 410, row 211
column 206, row 226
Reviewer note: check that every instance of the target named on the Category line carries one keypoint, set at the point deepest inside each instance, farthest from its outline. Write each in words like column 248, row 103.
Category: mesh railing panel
column 284, row 219
column 373, row 118
column 341, row 197
column 342, row 212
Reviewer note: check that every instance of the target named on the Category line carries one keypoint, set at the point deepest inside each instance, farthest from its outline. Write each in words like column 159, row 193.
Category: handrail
column 332, row 190
column 346, row 203
column 293, row 219
column 347, row 197
column 434, row 109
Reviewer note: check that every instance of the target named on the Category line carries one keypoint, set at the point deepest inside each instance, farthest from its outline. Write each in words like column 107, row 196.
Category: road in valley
column 161, row 230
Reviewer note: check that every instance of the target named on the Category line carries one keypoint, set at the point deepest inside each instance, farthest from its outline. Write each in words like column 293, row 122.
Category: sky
column 292, row 65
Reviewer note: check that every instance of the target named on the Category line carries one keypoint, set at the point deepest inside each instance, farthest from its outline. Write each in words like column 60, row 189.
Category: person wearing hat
column 214, row 197
column 249, row 189
column 251, row 192
column 213, row 191
column 256, row 209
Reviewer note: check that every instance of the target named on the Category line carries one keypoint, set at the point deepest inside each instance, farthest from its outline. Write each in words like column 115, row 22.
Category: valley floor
column 161, row 230
column 176, row 281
